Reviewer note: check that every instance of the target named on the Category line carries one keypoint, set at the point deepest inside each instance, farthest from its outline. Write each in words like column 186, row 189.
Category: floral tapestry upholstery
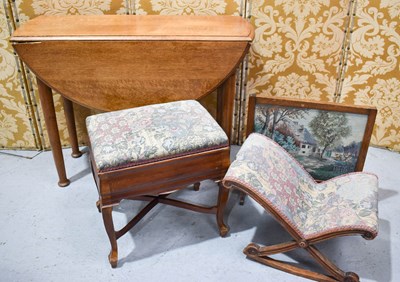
column 145, row 134
column 346, row 202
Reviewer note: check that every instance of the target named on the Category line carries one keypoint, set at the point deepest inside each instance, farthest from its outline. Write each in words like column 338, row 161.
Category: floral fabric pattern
column 342, row 203
column 134, row 136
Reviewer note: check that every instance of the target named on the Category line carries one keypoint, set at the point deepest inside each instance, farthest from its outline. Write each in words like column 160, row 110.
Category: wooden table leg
column 47, row 102
column 73, row 138
column 225, row 103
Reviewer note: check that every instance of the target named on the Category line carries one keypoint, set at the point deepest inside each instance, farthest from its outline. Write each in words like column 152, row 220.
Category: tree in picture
column 271, row 117
column 329, row 128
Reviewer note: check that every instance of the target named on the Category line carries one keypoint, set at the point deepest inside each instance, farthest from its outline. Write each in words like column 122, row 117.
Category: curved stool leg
column 222, row 199
column 109, row 225
column 330, row 267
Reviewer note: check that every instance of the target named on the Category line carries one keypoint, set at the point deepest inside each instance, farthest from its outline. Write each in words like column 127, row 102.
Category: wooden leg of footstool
column 109, row 225
column 242, row 197
column 196, row 186
column 98, row 205
column 222, row 199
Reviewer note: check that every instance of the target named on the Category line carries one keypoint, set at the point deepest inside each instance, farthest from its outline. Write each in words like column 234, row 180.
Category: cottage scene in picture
column 326, row 143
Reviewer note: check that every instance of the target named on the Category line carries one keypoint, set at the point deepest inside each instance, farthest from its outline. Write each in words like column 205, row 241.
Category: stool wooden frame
column 154, row 181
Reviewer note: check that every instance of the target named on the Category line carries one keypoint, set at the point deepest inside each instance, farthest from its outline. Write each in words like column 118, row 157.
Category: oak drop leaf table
column 112, row 62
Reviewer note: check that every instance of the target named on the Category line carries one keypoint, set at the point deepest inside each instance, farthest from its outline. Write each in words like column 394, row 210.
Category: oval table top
column 131, row 27
column 113, row 62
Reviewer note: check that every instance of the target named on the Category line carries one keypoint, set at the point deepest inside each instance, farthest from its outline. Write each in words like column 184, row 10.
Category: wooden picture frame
column 328, row 139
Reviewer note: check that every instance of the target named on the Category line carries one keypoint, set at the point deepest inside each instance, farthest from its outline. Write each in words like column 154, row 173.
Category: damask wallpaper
column 330, row 50
column 341, row 51
column 17, row 129
column 372, row 76
column 297, row 48
column 21, row 11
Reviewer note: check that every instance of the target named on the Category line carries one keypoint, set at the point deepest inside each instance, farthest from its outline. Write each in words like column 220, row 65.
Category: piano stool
column 149, row 152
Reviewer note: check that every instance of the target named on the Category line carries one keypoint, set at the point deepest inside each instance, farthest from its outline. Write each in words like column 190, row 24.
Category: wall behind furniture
column 329, row 50
column 341, row 51
column 373, row 74
column 17, row 125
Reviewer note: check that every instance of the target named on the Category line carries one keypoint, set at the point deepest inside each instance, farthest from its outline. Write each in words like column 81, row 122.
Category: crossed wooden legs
column 261, row 254
column 153, row 201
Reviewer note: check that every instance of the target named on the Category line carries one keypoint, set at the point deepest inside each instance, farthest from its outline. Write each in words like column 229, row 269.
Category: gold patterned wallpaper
column 17, row 128
column 373, row 71
column 297, row 48
column 342, row 50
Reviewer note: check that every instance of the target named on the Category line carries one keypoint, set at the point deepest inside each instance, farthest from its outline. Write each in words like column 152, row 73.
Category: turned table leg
column 73, row 138
column 47, row 102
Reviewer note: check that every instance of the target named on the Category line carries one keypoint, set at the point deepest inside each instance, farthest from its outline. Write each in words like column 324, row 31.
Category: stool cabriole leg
column 109, row 225
column 222, row 199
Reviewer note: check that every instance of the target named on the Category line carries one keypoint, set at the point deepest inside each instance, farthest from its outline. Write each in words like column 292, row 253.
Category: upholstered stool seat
column 311, row 212
column 144, row 153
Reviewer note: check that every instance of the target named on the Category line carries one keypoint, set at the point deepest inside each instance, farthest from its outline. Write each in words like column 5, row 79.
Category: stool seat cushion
column 151, row 133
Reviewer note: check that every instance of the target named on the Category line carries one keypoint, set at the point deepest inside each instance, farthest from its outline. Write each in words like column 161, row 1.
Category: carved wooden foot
column 109, row 225
column 252, row 250
column 223, row 230
column 98, row 205
column 113, row 258
column 351, row 277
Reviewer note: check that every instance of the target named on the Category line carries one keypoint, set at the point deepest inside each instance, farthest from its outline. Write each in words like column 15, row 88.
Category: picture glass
column 326, row 143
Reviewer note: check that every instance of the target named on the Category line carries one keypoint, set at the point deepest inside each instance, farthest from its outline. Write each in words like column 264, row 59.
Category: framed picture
column 328, row 139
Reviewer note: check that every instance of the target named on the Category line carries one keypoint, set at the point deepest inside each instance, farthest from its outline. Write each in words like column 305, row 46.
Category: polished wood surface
column 116, row 62
column 108, row 75
column 151, row 27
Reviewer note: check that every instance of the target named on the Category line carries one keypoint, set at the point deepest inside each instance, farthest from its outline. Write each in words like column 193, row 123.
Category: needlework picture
column 327, row 139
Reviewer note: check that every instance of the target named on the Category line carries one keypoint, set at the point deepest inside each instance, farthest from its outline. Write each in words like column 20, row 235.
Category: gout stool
column 146, row 153
column 310, row 212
